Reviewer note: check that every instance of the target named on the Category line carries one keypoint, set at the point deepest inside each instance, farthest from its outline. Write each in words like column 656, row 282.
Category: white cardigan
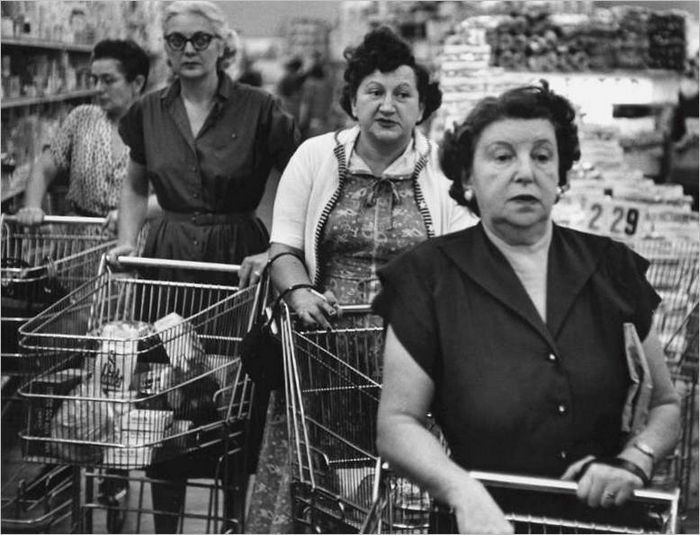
column 311, row 178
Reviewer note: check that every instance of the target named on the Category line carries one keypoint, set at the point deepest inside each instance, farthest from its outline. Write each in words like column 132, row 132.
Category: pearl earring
column 560, row 192
column 468, row 194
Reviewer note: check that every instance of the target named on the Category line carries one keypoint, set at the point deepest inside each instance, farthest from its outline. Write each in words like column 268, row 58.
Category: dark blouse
column 225, row 168
column 512, row 393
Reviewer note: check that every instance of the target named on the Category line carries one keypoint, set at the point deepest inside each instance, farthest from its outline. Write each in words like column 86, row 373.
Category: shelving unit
column 30, row 118
column 59, row 97
column 47, row 45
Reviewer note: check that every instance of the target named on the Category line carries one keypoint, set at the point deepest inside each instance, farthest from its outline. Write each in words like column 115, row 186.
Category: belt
column 202, row 219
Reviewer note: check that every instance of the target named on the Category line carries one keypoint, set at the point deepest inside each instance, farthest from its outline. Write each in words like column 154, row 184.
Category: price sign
column 617, row 218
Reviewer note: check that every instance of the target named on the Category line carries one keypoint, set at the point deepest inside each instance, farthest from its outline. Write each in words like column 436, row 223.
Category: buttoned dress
column 209, row 185
column 514, row 393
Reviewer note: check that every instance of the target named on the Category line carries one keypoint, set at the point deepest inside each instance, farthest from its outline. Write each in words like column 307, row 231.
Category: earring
column 560, row 192
column 468, row 194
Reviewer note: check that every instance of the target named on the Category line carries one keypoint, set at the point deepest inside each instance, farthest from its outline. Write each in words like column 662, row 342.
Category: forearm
column 412, row 451
column 287, row 270
column 661, row 434
column 133, row 205
column 42, row 175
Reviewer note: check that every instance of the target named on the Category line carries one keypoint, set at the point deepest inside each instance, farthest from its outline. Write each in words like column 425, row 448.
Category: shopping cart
column 531, row 504
column 332, row 391
column 137, row 372
column 40, row 265
column 673, row 272
column 333, row 388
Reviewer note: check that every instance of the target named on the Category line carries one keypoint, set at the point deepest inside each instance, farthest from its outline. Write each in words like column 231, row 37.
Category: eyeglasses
column 200, row 40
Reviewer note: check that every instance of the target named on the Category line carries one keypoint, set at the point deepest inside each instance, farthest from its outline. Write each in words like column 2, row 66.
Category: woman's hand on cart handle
column 111, row 220
column 252, row 268
column 314, row 308
column 602, row 485
column 30, row 216
column 120, row 250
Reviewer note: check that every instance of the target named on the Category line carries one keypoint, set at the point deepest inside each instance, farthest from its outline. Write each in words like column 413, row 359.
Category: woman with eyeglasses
column 87, row 146
column 206, row 145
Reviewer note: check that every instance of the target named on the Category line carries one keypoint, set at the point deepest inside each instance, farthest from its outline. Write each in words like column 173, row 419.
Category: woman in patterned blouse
column 88, row 145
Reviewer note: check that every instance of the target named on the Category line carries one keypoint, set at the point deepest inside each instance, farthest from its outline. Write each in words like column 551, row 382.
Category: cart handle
column 68, row 219
column 550, row 484
column 137, row 261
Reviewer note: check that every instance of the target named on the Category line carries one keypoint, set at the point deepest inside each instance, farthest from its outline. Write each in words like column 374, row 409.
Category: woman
column 511, row 332
column 348, row 202
column 88, row 146
column 351, row 200
column 206, row 144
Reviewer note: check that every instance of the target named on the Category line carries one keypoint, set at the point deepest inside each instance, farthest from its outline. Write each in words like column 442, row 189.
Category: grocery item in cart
column 116, row 360
column 53, row 384
column 180, row 341
column 82, row 418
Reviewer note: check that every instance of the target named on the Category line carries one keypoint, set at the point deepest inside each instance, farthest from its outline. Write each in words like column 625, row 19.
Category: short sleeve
column 131, row 132
column 630, row 269
column 62, row 143
column 283, row 136
column 406, row 303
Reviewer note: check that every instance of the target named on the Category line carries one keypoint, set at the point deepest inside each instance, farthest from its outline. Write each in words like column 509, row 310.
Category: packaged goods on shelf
column 535, row 39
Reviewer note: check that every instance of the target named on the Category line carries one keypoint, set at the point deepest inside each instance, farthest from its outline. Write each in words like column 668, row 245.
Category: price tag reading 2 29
column 615, row 218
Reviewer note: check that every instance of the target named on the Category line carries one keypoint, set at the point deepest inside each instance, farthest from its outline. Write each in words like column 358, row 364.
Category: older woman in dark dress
column 511, row 331
column 207, row 145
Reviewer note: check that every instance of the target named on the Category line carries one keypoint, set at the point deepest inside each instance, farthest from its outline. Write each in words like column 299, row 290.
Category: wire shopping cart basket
column 673, row 272
column 137, row 372
column 531, row 504
column 332, row 391
column 40, row 265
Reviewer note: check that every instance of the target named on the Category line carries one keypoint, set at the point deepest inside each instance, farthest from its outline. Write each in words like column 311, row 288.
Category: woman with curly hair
column 347, row 203
column 351, row 200
column 511, row 332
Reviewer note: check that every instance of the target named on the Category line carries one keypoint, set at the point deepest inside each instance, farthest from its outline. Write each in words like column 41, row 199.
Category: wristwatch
column 645, row 448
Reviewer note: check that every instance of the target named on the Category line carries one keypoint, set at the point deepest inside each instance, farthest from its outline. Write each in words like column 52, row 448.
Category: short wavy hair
column 132, row 59
column 385, row 51
column 526, row 102
column 215, row 16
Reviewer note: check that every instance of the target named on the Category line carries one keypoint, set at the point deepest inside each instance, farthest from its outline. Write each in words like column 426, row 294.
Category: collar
column 224, row 90
column 402, row 166
column 572, row 260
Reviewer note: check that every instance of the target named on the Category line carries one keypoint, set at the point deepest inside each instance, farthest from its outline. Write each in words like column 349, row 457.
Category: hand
column 30, row 216
column 477, row 512
column 313, row 308
column 120, row 250
column 111, row 220
column 251, row 269
column 602, row 485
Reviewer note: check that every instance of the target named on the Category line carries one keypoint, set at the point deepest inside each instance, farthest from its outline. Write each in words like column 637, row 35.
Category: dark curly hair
column 132, row 58
column 525, row 102
column 384, row 50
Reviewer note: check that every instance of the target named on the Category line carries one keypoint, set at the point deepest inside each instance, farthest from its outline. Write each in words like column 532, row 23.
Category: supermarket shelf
column 47, row 45
column 31, row 101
